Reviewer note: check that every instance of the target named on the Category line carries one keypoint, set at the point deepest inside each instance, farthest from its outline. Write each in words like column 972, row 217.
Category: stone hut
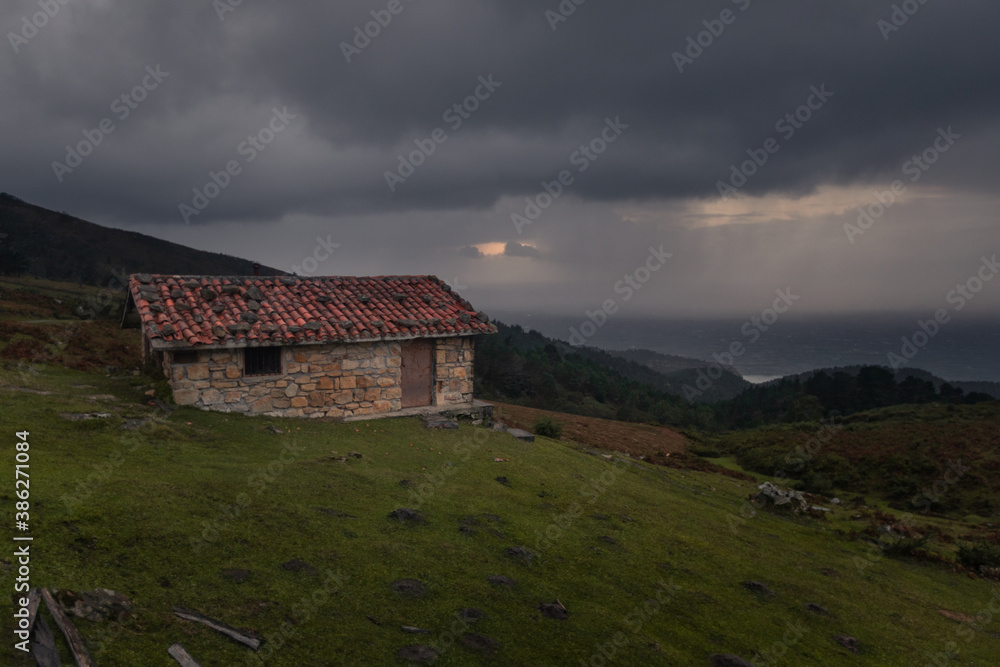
column 336, row 347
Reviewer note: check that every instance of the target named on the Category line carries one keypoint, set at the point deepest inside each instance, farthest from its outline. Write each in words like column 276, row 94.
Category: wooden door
column 417, row 375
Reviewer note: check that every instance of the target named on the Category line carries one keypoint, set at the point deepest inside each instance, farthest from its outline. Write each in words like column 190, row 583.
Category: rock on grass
column 500, row 580
column 758, row 588
column 480, row 643
column 521, row 553
column 553, row 611
column 417, row 653
column 729, row 660
column 850, row 643
column 470, row 615
column 410, row 588
column 295, row 565
column 237, row 575
column 407, row 515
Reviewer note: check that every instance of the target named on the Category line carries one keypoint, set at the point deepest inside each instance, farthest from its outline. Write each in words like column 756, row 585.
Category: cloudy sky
column 737, row 136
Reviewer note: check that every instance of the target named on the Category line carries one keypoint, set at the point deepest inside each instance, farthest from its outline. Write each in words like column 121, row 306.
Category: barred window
column 262, row 361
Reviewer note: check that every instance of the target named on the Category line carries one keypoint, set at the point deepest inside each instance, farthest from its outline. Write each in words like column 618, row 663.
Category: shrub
column 907, row 547
column 980, row 554
column 548, row 428
column 705, row 450
column 817, row 483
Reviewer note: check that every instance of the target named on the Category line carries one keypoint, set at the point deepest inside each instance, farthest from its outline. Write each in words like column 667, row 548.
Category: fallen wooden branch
column 43, row 649
column 34, row 599
column 80, row 654
column 241, row 636
column 183, row 658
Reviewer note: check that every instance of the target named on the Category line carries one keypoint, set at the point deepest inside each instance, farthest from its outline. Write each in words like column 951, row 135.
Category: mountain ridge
column 45, row 244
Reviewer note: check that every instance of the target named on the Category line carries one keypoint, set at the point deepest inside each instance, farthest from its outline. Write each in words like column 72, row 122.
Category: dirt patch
column 635, row 439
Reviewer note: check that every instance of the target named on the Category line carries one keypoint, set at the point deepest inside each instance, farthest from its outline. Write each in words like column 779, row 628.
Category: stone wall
column 453, row 371
column 346, row 380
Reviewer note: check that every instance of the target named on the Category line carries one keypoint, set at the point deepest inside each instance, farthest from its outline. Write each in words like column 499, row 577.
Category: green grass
column 138, row 522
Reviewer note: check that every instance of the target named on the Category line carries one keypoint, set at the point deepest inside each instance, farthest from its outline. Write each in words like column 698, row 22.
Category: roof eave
column 159, row 344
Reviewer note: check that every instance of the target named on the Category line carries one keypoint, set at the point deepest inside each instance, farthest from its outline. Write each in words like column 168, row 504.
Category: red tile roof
column 191, row 311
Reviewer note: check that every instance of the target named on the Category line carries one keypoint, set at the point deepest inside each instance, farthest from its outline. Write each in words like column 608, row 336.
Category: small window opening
column 185, row 357
column 262, row 361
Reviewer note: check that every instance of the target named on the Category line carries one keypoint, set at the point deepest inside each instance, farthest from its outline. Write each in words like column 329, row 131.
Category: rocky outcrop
column 775, row 497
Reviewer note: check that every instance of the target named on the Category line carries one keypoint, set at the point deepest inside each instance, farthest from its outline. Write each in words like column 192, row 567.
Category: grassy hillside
column 73, row 326
column 649, row 557
column 58, row 246
column 897, row 454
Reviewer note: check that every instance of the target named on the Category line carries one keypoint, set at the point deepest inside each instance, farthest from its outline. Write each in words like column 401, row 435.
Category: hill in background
column 900, row 375
column 58, row 246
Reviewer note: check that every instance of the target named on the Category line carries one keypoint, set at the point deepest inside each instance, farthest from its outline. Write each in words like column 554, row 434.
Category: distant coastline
column 965, row 351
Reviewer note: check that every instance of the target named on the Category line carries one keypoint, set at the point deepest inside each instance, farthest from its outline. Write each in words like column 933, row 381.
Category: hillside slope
column 270, row 529
column 679, row 372
column 58, row 246
column 900, row 454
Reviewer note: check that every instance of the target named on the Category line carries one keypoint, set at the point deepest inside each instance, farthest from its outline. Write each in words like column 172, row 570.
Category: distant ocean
column 960, row 351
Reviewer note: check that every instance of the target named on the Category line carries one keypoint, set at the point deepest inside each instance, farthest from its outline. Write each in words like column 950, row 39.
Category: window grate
column 262, row 361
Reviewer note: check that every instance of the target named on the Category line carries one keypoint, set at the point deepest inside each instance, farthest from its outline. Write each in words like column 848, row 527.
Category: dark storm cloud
column 471, row 252
column 556, row 89
column 456, row 115
column 513, row 249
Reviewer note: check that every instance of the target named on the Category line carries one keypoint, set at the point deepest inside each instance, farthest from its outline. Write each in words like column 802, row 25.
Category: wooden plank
column 34, row 599
column 182, row 657
column 80, row 654
column 228, row 630
column 44, row 649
